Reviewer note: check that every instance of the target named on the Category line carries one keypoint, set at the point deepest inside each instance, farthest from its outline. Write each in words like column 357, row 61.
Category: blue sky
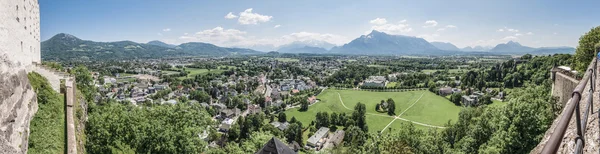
column 533, row 23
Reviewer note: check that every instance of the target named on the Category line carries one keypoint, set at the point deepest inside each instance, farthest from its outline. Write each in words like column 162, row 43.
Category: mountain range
column 64, row 47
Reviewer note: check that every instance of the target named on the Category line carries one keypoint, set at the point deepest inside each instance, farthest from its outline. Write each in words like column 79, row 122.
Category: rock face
column 19, row 49
column 18, row 104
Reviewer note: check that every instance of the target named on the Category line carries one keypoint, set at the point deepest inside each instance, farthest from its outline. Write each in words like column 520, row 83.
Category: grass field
column 197, row 71
column 428, row 71
column 391, row 84
column 287, row 59
column 381, row 66
column 430, row 108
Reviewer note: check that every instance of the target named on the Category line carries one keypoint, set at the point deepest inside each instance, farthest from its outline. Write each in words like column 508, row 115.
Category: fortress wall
column 20, row 31
column 19, row 49
column 563, row 87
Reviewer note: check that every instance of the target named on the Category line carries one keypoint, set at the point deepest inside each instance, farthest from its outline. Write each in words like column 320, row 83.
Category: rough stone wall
column 19, row 48
column 563, row 87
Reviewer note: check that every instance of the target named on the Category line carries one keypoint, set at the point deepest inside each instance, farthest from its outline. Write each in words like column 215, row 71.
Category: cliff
column 18, row 104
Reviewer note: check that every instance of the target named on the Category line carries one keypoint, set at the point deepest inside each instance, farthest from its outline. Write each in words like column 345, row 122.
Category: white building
column 375, row 81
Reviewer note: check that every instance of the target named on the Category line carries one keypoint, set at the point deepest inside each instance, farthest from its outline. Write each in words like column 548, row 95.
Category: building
column 19, row 51
column 317, row 140
column 337, row 138
column 254, row 109
column 445, row 91
column 226, row 125
column 280, row 126
column 274, row 146
column 470, row 100
column 375, row 81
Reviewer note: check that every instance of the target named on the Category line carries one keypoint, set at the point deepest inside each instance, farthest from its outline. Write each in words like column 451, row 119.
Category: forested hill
column 68, row 47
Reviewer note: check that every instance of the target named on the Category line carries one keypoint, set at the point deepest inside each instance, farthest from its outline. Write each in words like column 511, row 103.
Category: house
column 337, row 138
column 274, row 146
column 226, row 125
column 281, row 126
column 470, row 100
column 254, row 109
column 445, row 91
column 456, row 90
column 312, row 99
column 375, row 81
column 230, row 113
column 317, row 140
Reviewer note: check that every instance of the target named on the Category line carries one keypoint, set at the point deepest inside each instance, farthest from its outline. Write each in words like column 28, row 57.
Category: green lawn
column 428, row 71
column 391, row 84
column 197, row 71
column 287, row 59
column 430, row 109
column 377, row 66
column 497, row 103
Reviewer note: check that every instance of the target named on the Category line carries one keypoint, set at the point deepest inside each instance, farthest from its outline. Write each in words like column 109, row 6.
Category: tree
column 322, row 120
column 359, row 116
column 294, row 133
column 303, row 105
column 455, row 98
column 391, row 109
column 282, row 117
column 585, row 50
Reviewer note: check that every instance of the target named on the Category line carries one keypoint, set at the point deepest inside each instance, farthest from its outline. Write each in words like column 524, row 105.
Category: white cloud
column 402, row 21
column 379, row 21
column 185, row 33
column 166, row 29
column 555, row 33
column 249, row 18
column 513, row 30
column 277, row 26
column 529, row 33
column 430, row 23
column 510, row 38
column 447, row 27
column 230, row 15
column 500, row 30
column 218, row 36
column 308, row 36
column 380, row 24
column 159, row 34
column 518, row 34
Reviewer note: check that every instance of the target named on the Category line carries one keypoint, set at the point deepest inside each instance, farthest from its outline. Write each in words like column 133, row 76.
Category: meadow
column 423, row 107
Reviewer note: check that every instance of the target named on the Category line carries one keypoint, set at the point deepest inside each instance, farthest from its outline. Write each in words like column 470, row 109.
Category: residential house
column 337, row 138
column 281, row 126
column 445, row 91
column 226, row 125
column 254, row 109
column 274, row 146
column 317, row 140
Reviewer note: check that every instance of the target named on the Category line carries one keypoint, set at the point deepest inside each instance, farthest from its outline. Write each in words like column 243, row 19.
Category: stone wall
column 563, row 86
column 19, row 49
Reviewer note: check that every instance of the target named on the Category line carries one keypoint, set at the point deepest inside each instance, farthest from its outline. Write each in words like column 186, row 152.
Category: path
column 395, row 117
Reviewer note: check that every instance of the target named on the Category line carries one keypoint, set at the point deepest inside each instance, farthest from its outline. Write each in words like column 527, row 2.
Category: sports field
column 423, row 108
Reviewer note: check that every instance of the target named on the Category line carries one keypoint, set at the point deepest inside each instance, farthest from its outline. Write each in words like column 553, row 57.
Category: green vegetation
column 585, row 50
column 114, row 128
column 287, row 59
column 196, row 71
column 430, row 109
column 391, row 84
column 48, row 125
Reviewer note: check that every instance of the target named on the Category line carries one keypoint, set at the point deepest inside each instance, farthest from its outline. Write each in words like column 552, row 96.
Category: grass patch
column 497, row 103
column 379, row 66
column 47, row 129
column 391, row 84
column 430, row 109
column 287, row 59
column 197, row 71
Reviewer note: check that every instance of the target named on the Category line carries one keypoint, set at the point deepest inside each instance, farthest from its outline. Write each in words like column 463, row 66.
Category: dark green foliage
column 585, row 50
column 455, row 98
column 160, row 129
column 391, row 109
column 282, row 117
column 48, row 125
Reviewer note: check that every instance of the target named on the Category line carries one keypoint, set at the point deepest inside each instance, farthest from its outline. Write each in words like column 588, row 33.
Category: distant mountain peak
column 162, row 44
column 513, row 43
column 65, row 36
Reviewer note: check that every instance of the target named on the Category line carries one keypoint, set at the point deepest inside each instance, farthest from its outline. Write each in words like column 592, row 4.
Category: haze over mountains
column 65, row 46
